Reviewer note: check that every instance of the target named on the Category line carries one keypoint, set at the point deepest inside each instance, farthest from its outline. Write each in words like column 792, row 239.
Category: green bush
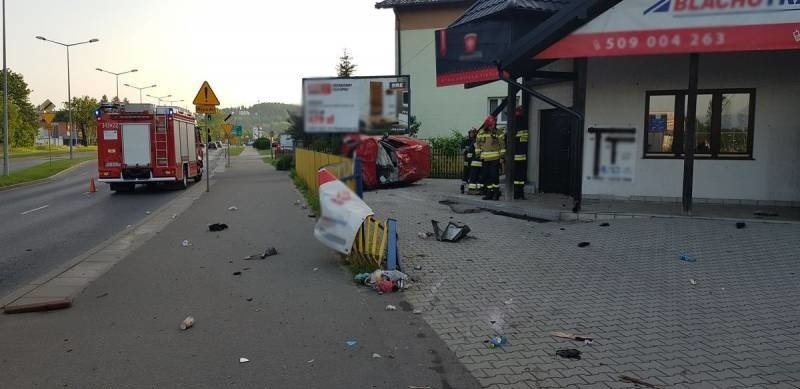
column 284, row 163
column 262, row 144
column 448, row 144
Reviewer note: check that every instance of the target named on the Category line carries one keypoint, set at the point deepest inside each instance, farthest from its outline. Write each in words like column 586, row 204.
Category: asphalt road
column 45, row 225
column 23, row 163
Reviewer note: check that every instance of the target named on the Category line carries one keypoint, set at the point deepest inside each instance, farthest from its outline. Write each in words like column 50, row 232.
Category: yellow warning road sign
column 227, row 127
column 206, row 108
column 48, row 117
column 205, row 96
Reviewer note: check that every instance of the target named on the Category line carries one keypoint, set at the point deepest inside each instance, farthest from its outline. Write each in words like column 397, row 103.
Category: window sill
column 701, row 157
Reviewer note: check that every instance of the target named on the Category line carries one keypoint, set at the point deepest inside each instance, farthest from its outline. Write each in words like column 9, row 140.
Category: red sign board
column 650, row 27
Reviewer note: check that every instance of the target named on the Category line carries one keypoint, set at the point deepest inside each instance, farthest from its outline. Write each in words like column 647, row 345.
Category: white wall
column 616, row 97
column 440, row 109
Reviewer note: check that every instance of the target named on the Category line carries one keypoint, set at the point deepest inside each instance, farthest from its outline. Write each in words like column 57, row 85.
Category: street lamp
column 5, row 98
column 69, row 91
column 172, row 102
column 160, row 99
column 117, row 76
column 140, row 89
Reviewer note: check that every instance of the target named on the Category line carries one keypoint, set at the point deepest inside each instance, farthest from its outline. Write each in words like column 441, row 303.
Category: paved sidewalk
column 737, row 327
column 290, row 314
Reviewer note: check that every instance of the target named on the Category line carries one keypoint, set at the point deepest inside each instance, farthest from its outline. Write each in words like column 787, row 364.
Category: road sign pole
column 208, row 157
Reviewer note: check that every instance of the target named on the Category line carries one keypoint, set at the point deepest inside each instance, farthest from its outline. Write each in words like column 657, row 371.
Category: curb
column 46, row 179
column 96, row 261
column 566, row 216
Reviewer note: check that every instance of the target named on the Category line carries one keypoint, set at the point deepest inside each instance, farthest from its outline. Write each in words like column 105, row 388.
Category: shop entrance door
column 555, row 131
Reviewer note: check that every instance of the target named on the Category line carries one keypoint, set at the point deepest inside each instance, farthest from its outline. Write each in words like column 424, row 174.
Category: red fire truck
column 145, row 144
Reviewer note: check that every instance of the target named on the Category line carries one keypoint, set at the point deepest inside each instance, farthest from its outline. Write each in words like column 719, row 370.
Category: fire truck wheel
column 199, row 176
column 185, row 182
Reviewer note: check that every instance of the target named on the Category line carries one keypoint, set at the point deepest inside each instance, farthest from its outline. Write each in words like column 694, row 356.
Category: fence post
column 393, row 250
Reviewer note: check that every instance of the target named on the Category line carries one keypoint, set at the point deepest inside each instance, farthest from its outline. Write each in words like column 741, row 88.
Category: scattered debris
column 391, row 308
column 740, row 225
column 268, row 252
column 567, row 335
column 497, row 341
column 316, row 268
column 237, row 273
column 102, row 295
column 246, row 269
column 243, row 360
column 312, row 215
column 687, row 258
column 361, row 277
column 583, row 244
column 217, row 227
column 304, row 206
column 385, row 286
column 453, row 232
column 247, row 258
column 233, row 208
column 569, row 353
column 424, row 235
column 765, row 214
column 147, row 212
column 604, row 224
column 297, row 202
column 692, row 281
column 310, row 361
column 562, row 228
column 351, row 343
column 174, row 216
column 249, row 299
column 509, row 301
column 417, row 311
column 418, row 267
column 633, row 380
column 186, row 243
column 187, row 323
column 376, row 355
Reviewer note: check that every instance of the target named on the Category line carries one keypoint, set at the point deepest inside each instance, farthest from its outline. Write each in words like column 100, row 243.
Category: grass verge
column 21, row 152
column 235, row 150
column 39, row 172
column 311, row 199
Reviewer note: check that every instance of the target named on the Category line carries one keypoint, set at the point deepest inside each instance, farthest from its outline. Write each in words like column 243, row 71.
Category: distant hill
column 268, row 116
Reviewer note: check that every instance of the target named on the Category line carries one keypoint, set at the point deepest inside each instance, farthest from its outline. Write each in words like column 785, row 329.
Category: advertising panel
column 357, row 104
column 647, row 27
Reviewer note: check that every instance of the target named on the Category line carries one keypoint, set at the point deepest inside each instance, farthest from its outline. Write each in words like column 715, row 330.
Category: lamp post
column 160, row 99
column 5, row 97
column 69, row 91
column 172, row 102
column 140, row 88
column 117, row 76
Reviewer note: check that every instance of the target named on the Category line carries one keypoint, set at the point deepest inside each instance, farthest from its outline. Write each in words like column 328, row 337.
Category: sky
column 248, row 50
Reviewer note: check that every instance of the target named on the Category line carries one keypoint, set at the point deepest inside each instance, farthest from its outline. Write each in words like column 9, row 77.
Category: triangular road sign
column 48, row 117
column 205, row 96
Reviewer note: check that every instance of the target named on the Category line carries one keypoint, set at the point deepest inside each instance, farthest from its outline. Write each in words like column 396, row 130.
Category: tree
column 22, row 129
column 413, row 126
column 346, row 67
column 104, row 99
column 83, row 118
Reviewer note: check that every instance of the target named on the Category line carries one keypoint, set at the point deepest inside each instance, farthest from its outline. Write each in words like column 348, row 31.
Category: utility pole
column 5, row 98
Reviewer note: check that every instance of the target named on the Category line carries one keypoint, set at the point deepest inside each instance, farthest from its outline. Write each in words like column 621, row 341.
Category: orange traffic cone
column 92, row 188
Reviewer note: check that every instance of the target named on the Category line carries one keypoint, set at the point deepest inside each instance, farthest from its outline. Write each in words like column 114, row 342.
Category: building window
column 495, row 102
column 723, row 123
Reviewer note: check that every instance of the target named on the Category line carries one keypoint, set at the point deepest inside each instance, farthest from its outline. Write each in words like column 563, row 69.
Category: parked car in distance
column 212, row 145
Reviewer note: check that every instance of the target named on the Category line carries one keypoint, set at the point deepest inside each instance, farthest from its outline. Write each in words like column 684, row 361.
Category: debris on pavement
column 351, row 343
column 186, row 243
column 217, row 227
column 583, row 244
column 174, row 216
column 417, row 311
column 361, row 278
column 102, row 295
column 249, row 299
column 569, row 353
column 604, row 224
column 315, row 269
column 765, row 214
column 391, row 308
column 453, row 232
column 424, row 235
column 268, row 252
column 247, row 258
column 692, row 281
column 187, row 323
column 497, row 341
column 310, row 361
column 243, row 360
column 567, row 335
column 384, row 281
column 385, row 286
column 418, row 267
column 509, row 301
column 740, row 225
column 147, row 212
column 686, row 258
column 304, row 206
column 237, row 273
column 376, row 355
column 233, row 208
column 297, row 202
column 633, row 380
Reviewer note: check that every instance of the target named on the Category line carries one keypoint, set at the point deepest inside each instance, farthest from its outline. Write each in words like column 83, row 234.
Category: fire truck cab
column 146, row 144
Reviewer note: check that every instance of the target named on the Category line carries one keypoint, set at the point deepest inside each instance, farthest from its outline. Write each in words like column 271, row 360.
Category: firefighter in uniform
column 520, row 154
column 469, row 155
column 493, row 147
column 477, row 176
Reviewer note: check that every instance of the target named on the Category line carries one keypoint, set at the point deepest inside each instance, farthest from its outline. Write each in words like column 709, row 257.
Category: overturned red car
column 389, row 160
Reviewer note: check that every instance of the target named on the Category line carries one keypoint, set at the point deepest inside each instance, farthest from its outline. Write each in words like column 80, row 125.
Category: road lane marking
column 35, row 209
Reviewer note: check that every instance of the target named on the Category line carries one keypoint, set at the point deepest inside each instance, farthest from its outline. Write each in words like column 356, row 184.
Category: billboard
column 646, row 27
column 377, row 104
